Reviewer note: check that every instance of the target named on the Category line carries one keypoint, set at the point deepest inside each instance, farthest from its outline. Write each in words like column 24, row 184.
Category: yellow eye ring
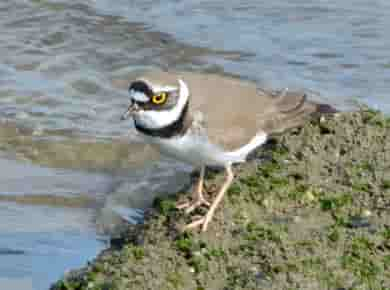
column 159, row 99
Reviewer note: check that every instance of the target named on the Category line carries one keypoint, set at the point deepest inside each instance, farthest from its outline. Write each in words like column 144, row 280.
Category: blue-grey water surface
column 71, row 169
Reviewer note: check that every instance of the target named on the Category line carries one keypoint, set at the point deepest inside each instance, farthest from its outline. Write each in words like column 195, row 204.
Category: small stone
column 192, row 270
column 37, row 132
column 309, row 196
column 356, row 222
column 297, row 219
column 267, row 203
column 197, row 253
column 21, row 115
column 366, row 213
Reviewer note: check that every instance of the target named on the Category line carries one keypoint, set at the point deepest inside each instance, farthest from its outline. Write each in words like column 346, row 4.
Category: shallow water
column 37, row 243
column 70, row 167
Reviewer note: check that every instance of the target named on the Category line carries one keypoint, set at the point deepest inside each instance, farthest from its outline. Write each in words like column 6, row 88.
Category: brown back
column 235, row 110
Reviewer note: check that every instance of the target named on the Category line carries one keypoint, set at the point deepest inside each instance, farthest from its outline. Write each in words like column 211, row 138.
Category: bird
column 210, row 120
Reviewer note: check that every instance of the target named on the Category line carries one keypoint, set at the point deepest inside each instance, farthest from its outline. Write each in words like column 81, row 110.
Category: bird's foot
column 199, row 202
column 182, row 205
column 205, row 220
column 196, row 223
column 191, row 206
column 202, row 222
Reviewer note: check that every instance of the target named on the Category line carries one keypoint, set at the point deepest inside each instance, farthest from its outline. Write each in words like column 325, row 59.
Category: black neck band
column 176, row 128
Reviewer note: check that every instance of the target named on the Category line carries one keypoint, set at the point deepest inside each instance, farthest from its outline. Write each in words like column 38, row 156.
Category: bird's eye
column 159, row 99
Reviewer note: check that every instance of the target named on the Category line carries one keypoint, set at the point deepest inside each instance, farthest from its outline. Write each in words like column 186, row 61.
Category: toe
column 194, row 224
column 205, row 202
column 197, row 204
column 182, row 205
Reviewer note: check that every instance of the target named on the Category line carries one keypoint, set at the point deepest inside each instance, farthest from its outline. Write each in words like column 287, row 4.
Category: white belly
column 193, row 149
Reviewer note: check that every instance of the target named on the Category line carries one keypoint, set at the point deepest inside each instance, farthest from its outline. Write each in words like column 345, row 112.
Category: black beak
column 130, row 110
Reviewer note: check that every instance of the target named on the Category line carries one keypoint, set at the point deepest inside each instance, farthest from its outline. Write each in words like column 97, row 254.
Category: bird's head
column 155, row 106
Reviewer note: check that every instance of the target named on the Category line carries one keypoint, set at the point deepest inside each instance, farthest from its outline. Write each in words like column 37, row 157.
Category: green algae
column 311, row 211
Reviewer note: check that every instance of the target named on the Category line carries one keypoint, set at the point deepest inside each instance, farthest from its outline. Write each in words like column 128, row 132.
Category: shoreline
column 311, row 210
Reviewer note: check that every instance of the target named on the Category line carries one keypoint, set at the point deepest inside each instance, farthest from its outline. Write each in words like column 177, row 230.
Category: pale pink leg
column 199, row 198
column 197, row 195
column 209, row 215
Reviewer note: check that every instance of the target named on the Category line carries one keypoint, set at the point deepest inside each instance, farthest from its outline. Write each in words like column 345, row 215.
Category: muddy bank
column 310, row 211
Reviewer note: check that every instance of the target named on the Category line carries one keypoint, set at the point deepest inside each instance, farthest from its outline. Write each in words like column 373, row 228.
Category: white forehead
column 138, row 96
column 158, row 88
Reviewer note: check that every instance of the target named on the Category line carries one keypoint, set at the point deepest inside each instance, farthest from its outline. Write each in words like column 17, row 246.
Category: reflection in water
column 64, row 215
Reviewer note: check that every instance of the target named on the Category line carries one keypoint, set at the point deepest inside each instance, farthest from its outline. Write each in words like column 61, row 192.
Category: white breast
column 191, row 148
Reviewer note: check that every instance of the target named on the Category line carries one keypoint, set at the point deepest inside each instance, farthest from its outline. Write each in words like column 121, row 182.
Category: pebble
column 267, row 203
column 366, row 213
column 309, row 196
column 197, row 253
column 297, row 219
column 37, row 132
column 21, row 115
column 358, row 222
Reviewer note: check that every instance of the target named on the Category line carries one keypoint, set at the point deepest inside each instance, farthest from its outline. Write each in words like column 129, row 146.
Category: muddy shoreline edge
column 311, row 210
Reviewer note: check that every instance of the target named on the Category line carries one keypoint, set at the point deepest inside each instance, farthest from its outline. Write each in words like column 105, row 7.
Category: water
column 71, row 169
column 39, row 242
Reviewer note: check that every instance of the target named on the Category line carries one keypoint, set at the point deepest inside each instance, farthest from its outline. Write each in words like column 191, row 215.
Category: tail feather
column 290, row 110
column 286, row 111
column 241, row 153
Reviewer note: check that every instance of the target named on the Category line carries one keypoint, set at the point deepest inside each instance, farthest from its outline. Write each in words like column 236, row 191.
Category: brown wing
column 236, row 110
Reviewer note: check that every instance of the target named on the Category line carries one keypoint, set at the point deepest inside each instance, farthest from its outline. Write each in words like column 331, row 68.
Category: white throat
column 161, row 119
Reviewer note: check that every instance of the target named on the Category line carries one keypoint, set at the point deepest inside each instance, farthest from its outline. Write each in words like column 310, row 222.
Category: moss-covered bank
column 311, row 211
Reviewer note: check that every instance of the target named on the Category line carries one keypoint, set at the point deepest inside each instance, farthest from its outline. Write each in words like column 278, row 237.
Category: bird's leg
column 197, row 195
column 209, row 215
